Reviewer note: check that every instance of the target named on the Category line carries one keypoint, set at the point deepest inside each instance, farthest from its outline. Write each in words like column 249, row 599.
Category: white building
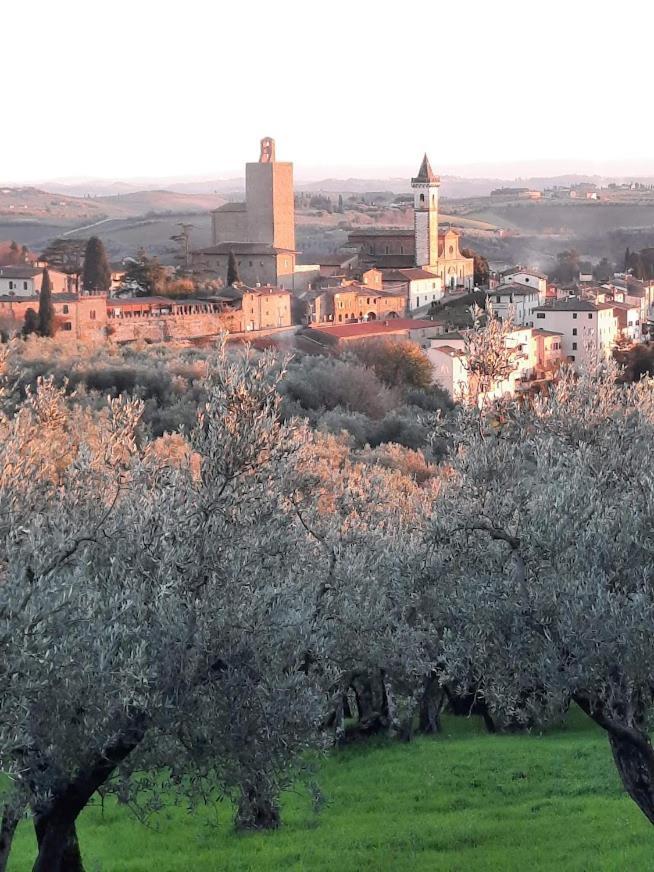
column 519, row 301
column 535, row 350
column 25, row 281
column 587, row 329
column 524, row 276
column 421, row 286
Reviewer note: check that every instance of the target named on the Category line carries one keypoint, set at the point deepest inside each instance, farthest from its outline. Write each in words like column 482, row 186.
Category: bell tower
column 425, row 211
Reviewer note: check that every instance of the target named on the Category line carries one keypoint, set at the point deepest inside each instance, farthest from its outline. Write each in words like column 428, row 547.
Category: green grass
column 461, row 801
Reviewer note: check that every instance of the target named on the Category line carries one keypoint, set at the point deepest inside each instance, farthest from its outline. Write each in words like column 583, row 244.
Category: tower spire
column 426, row 174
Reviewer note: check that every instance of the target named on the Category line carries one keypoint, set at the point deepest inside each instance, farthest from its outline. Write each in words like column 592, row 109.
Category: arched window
column 422, row 198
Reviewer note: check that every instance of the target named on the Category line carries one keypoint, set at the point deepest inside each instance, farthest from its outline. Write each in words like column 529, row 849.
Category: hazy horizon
column 356, row 90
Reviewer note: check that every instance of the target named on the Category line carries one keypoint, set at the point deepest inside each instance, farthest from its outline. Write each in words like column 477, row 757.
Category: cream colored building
column 588, row 330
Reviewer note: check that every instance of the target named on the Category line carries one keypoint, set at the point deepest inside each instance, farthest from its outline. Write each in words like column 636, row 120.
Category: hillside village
column 404, row 283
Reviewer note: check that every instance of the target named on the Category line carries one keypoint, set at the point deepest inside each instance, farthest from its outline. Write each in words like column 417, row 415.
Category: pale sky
column 169, row 89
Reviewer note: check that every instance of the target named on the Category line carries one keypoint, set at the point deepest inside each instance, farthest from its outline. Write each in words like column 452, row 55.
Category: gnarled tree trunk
column 8, row 824
column 431, row 705
column 632, row 752
column 257, row 808
column 371, row 703
column 58, row 844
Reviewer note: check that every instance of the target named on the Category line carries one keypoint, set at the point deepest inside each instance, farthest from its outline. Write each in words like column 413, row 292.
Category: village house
column 356, row 301
column 419, row 286
column 587, row 329
column 25, row 281
column 517, row 300
column 78, row 317
column 537, row 354
column 524, row 276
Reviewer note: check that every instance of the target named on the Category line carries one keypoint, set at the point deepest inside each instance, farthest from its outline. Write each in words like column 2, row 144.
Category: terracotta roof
column 540, row 332
column 23, row 271
column 115, row 302
column 400, row 275
column 449, row 350
column 523, row 269
column 568, row 306
column 370, row 328
column 425, row 174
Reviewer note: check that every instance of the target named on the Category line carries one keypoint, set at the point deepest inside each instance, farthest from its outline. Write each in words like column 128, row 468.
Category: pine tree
column 96, row 275
column 232, row 271
column 46, row 319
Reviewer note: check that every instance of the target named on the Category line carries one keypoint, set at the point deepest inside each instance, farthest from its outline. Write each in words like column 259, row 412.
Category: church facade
column 261, row 231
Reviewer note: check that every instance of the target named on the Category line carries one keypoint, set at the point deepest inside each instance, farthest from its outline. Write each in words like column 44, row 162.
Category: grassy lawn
column 461, row 801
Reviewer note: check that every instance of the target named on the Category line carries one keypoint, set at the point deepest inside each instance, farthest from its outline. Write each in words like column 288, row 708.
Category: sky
column 137, row 89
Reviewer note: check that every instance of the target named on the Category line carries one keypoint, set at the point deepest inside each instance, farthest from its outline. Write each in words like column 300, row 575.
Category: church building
column 428, row 247
column 261, row 231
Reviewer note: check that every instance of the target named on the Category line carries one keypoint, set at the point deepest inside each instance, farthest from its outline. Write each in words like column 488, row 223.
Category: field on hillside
column 576, row 219
column 461, row 801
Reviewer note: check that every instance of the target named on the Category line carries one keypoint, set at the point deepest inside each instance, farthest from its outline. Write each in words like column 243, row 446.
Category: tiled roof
column 19, row 272
column 514, row 288
column 399, row 275
column 371, row 328
column 570, row 305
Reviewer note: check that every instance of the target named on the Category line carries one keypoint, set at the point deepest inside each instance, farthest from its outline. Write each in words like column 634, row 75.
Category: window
column 572, row 357
column 590, row 314
column 11, row 286
column 24, row 286
column 422, row 198
column 498, row 299
column 574, row 346
column 527, row 280
column 574, row 315
column 92, row 314
column 65, row 309
column 67, row 326
column 540, row 314
column 574, row 331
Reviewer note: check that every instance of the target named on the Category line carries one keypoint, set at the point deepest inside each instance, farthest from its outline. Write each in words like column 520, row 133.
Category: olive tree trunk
column 8, row 824
column 54, row 820
column 432, row 702
column 59, row 851
column 632, row 753
column 257, row 808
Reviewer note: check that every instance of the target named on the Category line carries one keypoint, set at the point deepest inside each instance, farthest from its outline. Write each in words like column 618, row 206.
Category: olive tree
column 542, row 548
column 152, row 614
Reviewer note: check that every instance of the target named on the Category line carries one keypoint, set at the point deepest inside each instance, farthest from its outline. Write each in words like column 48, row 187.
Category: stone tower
column 269, row 199
column 425, row 210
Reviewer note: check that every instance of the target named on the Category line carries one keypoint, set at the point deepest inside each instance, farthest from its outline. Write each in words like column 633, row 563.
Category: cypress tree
column 46, row 319
column 31, row 322
column 627, row 259
column 232, row 271
column 96, row 275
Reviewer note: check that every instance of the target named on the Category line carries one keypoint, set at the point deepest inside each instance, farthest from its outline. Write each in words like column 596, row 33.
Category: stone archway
column 371, row 316
column 392, row 315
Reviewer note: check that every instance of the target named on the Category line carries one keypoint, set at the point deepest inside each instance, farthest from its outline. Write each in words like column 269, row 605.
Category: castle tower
column 425, row 211
column 269, row 199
